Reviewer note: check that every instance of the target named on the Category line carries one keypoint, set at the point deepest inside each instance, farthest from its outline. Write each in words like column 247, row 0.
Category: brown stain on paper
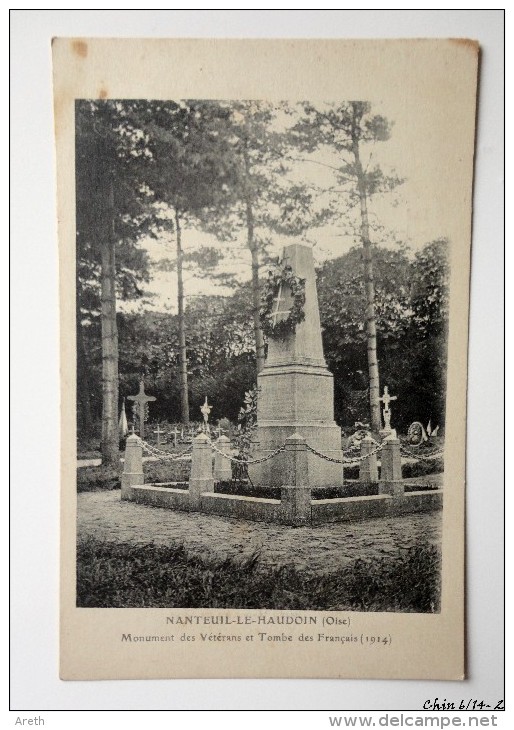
column 102, row 94
column 80, row 48
column 466, row 43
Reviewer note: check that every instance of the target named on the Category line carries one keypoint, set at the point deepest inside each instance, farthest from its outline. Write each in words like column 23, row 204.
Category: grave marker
column 175, row 433
column 205, row 411
column 141, row 399
column 296, row 390
column 386, row 400
column 159, row 434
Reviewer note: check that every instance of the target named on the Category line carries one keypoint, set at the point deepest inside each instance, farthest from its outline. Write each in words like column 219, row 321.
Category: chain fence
column 352, row 461
column 237, row 460
column 421, row 457
column 160, row 454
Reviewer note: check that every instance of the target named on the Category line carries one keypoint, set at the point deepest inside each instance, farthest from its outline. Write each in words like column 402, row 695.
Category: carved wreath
column 278, row 279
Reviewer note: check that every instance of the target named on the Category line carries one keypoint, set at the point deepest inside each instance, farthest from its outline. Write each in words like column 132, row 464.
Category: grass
column 105, row 478
column 111, row 574
column 409, row 469
column 96, row 478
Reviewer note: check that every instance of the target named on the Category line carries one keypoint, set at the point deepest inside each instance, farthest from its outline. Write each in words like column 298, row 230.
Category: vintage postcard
column 265, row 256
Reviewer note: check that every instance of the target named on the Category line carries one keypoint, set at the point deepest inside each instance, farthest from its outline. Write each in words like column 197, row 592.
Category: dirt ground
column 321, row 549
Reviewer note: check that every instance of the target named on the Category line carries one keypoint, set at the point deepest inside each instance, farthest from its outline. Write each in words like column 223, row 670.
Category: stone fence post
column 133, row 465
column 391, row 471
column 368, row 467
column 201, row 479
column 222, row 465
column 295, row 495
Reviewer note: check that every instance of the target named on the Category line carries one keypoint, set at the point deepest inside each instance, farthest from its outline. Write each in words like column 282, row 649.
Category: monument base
column 324, row 437
column 387, row 433
column 296, row 392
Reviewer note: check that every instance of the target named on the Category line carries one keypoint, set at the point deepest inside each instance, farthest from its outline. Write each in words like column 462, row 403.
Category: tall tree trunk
column 371, row 325
column 182, row 352
column 84, row 416
column 110, row 436
column 256, row 292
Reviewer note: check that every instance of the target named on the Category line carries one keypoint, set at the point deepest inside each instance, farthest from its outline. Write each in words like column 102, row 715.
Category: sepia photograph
column 264, row 280
column 261, row 359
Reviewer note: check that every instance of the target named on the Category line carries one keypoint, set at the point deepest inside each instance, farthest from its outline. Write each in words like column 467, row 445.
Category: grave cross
column 386, row 399
column 205, row 410
column 175, row 433
column 141, row 399
column 159, row 434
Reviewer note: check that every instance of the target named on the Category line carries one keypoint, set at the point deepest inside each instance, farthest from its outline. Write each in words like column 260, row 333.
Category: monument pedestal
column 297, row 393
column 325, row 438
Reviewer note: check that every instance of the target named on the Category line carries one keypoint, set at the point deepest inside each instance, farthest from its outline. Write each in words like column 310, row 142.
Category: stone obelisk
column 296, row 390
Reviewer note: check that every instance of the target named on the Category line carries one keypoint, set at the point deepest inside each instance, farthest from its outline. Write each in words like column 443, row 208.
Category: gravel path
column 322, row 548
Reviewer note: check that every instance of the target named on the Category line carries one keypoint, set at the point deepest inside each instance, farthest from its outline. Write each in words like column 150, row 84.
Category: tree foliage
column 349, row 129
column 411, row 300
column 190, row 171
column 112, row 213
column 263, row 200
column 109, row 147
column 412, row 313
column 173, row 168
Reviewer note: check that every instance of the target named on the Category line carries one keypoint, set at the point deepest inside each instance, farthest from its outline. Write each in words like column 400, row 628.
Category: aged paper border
column 423, row 646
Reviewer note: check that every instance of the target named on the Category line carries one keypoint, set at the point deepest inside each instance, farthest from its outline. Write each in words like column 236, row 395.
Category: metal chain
column 357, row 460
column 419, row 457
column 162, row 455
column 166, row 456
column 248, row 461
column 354, row 461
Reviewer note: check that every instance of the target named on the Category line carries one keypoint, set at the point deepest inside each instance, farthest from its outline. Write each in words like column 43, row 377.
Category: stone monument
column 205, row 411
column 386, row 400
column 141, row 399
column 296, row 393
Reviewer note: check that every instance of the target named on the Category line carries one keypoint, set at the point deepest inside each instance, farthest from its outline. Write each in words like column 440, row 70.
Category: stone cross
column 219, row 431
column 386, row 399
column 175, row 433
column 141, row 399
column 205, row 410
column 159, row 434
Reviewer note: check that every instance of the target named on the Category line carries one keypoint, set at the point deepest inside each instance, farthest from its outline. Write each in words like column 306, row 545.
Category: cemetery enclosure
column 295, row 506
column 297, row 444
column 272, row 510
